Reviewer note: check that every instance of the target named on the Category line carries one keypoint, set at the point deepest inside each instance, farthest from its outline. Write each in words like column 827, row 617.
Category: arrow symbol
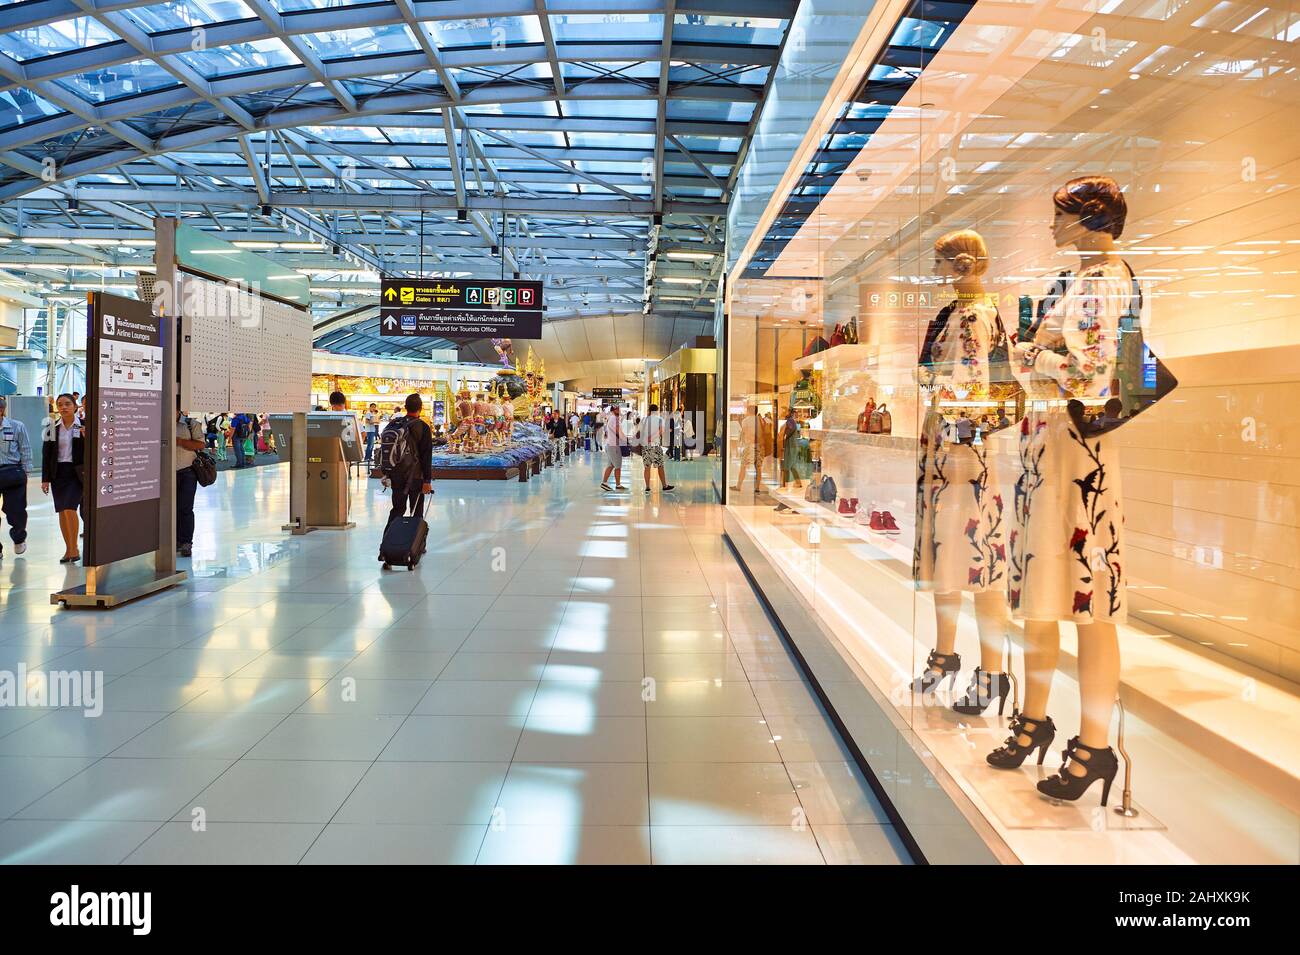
column 389, row 294
column 389, row 322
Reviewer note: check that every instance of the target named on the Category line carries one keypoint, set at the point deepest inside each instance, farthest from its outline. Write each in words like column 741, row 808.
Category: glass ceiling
column 461, row 138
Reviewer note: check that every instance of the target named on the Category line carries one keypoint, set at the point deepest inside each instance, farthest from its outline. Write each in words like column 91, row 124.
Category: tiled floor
column 568, row 677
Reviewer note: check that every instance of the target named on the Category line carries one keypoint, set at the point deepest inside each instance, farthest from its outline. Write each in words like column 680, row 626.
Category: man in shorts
column 612, row 438
column 653, row 433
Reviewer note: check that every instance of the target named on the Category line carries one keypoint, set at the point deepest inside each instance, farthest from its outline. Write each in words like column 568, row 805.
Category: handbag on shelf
column 886, row 420
column 818, row 344
column 813, row 492
column 829, row 492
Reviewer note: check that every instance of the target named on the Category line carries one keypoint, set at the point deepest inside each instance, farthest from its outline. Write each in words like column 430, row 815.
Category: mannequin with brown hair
column 1067, row 560
column 960, row 547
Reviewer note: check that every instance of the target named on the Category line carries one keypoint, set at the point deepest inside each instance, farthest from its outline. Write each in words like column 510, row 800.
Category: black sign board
column 461, row 309
column 124, row 418
column 607, row 392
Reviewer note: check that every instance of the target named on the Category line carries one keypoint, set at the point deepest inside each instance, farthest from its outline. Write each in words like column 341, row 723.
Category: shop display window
column 1011, row 376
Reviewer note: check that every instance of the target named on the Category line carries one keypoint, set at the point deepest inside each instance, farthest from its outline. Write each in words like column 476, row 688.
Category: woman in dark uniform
column 62, row 454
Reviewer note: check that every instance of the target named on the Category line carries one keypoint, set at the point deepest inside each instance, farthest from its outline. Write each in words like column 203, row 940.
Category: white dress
column 1067, row 558
column 959, row 527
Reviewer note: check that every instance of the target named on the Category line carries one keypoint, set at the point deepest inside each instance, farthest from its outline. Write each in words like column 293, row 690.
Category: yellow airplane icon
column 408, row 296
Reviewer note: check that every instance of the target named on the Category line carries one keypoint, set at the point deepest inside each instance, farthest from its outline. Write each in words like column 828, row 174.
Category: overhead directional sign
column 460, row 308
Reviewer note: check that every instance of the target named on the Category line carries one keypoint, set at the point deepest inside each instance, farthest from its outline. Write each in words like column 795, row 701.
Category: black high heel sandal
column 1011, row 754
column 984, row 688
column 1100, row 764
column 935, row 671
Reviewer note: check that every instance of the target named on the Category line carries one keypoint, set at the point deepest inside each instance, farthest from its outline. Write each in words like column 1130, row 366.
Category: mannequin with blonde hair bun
column 959, row 544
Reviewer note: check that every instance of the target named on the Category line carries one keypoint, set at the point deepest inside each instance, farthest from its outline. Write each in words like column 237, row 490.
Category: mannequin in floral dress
column 1066, row 542
column 960, row 544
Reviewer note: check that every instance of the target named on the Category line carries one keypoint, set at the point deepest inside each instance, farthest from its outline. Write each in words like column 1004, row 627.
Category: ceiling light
column 50, row 242
column 301, row 245
column 692, row 256
column 251, row 244
column 97, row 241
column 676, row 280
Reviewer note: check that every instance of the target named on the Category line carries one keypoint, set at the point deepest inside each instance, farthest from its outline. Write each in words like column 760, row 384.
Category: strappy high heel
column 984, row 688
column 1100, row 764
column 938, row 666
column 1011, row 754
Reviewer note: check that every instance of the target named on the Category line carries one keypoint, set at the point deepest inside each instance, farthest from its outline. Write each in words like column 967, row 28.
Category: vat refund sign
column 460, row 309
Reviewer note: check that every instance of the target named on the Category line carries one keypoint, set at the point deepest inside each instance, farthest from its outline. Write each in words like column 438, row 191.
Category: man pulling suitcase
column 406, row 458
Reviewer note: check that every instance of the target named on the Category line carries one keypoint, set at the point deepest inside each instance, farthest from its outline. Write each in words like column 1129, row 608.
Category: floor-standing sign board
column 460, row 309
column 125, row 387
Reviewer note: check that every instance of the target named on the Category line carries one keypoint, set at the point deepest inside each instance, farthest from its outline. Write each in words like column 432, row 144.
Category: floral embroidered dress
column 1067, row 559
column 959, row 528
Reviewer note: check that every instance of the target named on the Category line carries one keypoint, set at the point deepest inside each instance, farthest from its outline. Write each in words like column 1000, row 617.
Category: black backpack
column 397, row 452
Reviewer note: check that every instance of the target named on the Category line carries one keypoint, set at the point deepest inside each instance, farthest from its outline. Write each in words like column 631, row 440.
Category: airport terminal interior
column 715, row 432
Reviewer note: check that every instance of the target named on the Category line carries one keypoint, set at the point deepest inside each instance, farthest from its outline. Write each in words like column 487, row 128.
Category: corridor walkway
column 568, row 677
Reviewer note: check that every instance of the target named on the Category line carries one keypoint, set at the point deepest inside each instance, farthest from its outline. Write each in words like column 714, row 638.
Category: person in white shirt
column 598, row 428
column 372, row 431
column 654, row 432
column 612, row 438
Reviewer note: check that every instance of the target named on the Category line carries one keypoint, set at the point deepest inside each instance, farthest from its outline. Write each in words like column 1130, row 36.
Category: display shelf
column 892, row 545
column 837, row 355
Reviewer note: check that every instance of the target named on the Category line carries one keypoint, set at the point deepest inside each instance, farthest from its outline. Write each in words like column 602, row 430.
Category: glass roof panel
column 747, row 30
column 76, row 33
column 602, row 27
column 710, row 110
column 19, row 106
column 183, row 14
column 111, row 83
column 239, row 58
column 612, row 140
column 618, row 109
column 486, row 31
column 362, row 41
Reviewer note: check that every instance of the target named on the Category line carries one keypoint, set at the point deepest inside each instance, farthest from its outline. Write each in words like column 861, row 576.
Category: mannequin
column 960, row 543
column 1067, row 549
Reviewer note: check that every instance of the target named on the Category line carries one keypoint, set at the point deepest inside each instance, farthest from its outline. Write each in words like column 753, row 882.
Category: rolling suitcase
column 405, row 541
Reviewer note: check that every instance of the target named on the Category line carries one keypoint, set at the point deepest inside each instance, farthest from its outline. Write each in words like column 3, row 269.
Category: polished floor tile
column 568, row 677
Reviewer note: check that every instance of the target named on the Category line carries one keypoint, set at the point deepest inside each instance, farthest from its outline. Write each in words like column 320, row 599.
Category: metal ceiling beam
column 558, row 205
column 306, row 56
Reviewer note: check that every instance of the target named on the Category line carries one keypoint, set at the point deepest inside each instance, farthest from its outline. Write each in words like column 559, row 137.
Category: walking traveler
column 411, row 474
column 15, row 463
column 372, row 431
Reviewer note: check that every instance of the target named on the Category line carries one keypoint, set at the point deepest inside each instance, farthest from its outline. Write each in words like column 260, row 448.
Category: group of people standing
column 649, row 437
column 246, row 433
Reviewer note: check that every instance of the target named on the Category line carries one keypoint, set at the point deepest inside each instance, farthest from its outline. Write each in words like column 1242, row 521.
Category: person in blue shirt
column 239, row 426
column 15, row 465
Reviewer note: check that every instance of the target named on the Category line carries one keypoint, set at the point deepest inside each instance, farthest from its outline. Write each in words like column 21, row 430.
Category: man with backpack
column 239, row 428
column 406, row 458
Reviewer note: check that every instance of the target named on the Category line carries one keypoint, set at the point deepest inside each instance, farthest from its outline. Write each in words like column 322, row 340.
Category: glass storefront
column 1011, row 367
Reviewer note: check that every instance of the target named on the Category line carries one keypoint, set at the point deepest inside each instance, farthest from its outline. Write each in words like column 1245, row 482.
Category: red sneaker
column 845, row 506
column 876, row 523
column 888, row 520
